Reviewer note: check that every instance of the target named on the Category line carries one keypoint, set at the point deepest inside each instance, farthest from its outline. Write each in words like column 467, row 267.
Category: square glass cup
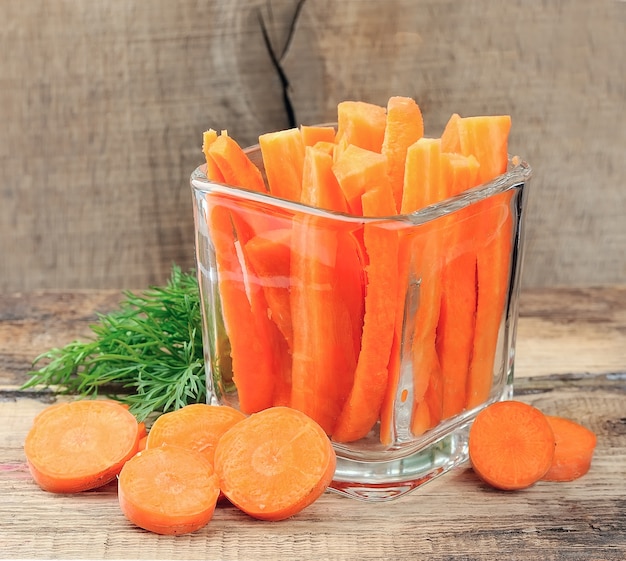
column 391, row 332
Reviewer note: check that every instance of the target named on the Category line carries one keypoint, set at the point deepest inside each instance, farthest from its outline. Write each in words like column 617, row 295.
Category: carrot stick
column 311, row 135
column 323, row 325
column 213, row 170
column 575, row 445
column 457, row 318
column 486, row 138
column 362, row 408
column 80, row 445
column 511, row 445
column 450, row 139
column 358, row 170
column 234, row 165
column 168, row 490
column 323, row 345
column 275, row 463
column 283, row 157
column 319, row 184
column 252, row 340
column 361, row 124
column 400, row 341
column 426, row 183
column 197, row 426
column 269, row 253
column 404, row 126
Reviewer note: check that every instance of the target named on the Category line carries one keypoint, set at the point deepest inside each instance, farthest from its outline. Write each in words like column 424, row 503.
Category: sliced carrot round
column 275, row 463
column 80, row 445
column 511, row 445
column 168, row 490
column 197, row 426
column 575, row 445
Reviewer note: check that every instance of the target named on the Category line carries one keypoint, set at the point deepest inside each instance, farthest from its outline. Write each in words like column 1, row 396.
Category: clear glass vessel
column 392, row 332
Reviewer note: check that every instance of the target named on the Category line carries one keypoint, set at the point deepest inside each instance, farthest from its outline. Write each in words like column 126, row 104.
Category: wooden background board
column 103, row 104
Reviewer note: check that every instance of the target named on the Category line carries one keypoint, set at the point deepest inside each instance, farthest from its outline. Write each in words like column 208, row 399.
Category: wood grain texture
column 454, row 518
column 103, row 106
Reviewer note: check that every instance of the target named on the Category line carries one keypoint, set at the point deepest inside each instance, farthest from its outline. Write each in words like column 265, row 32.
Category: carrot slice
column 283, row 157
column 275, row 463
column 361, row 124
column 575, row 445
column 80, row 445
column 404, row 126
column 197, row 426
column 362, row 408
column 168, row 490
column 357, row 170
column 311, row 135
column 511, row 445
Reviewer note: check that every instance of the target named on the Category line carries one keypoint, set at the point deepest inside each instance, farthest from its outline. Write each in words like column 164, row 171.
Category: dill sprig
column 148, row 353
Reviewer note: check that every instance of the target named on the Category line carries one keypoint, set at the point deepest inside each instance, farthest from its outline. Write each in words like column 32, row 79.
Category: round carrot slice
column 511, row 445
column 197, row 427
column 274, row 463
column 575, row 445
column 80, row 445
column 168, row 490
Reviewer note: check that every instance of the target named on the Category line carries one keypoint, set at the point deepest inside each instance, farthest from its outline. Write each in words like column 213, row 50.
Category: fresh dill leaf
column 147, row 353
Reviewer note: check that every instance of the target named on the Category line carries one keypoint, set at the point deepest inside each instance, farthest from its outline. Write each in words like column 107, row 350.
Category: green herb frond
column 147, row 353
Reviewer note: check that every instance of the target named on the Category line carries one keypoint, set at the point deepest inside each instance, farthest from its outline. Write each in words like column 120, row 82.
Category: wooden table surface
column 571, row 361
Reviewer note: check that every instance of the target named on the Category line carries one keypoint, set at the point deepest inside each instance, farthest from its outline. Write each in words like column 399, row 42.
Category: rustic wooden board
column 562, row 367
column 103, row 106
column 455, row 517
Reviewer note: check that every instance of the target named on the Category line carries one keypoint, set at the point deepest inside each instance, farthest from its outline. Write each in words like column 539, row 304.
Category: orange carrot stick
column 404, row 126
column 486, row 138
column 575, row 445
column 455, row 331
column 270, row 253
column 80, row 445
column 362, row 408
column 213, row 170
column 283, row 157
column 197, row 426
column 168, row 490
column 358, row 170
column 275, row 463
column 450, row 139
column 323, row 349
column 252, row 340
column 511, row 445
column 319, row 184
column 361, row 124
column 426, row 183
column 311, row 135
column 234, row 165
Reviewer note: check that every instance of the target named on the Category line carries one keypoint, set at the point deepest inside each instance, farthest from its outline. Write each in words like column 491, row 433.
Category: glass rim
column 517, row 175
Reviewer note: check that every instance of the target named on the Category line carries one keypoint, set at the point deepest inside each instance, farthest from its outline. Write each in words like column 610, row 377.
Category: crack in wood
column 277, row 58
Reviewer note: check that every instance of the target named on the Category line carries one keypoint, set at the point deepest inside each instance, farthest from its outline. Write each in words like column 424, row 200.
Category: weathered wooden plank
column 560, row 331
column 103, row 106
column 456, row 517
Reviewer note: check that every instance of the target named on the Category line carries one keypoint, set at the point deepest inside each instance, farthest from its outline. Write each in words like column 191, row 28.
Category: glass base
column 392, row 479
